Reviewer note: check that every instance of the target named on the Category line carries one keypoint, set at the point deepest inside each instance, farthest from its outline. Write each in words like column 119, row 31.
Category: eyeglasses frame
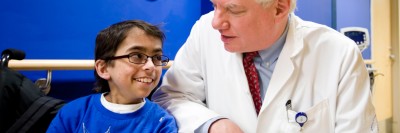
column 145, row 61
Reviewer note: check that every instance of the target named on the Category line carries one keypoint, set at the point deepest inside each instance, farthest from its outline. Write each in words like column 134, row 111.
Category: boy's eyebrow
column 158, row 50
column 136, row 48
column 140, row 48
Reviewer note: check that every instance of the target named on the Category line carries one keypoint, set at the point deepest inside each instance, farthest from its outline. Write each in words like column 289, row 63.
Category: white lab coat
column 319, row 70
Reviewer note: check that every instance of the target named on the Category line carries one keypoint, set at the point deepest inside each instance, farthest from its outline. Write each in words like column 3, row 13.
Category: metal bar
column 50, row 64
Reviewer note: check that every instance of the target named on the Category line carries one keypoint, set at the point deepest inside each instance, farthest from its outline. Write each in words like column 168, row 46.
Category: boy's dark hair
column 109, row 39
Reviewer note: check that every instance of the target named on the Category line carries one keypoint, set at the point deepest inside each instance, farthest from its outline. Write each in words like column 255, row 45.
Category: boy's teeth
column 146, row 80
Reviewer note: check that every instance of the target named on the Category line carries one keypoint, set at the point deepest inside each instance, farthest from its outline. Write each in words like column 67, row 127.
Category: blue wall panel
column 66, row 29
column 319, row 11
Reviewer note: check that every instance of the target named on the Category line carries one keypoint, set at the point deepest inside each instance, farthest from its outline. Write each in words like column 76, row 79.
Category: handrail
column 52, row 64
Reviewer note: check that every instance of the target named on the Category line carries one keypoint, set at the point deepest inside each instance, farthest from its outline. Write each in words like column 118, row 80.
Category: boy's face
column 129, row 82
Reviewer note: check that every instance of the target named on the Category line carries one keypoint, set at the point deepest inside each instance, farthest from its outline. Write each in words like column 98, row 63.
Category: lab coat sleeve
column 355, row 112
column 182, row 91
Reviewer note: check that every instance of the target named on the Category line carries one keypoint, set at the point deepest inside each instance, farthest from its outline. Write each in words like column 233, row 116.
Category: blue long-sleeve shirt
column 87, row 114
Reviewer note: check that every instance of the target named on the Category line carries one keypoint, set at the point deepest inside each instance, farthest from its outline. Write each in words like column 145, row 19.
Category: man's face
column 245, row 25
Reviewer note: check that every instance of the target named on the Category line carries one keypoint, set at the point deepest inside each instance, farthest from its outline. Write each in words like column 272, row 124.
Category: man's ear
column 101, row 69
column 282, row 8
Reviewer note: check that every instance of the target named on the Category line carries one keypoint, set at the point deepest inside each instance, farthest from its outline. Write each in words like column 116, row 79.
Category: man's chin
column 232, row 49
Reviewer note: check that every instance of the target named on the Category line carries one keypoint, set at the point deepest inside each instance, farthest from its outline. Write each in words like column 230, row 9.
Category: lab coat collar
column 285, row 67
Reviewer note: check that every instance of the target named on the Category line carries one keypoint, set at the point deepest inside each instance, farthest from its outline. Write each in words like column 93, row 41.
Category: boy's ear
column 101, row 69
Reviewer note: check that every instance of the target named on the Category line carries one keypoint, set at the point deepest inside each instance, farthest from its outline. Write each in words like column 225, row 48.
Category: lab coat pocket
column 318, row 119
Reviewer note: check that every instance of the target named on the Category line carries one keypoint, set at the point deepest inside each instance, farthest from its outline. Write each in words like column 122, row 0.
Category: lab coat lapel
column 284, row 75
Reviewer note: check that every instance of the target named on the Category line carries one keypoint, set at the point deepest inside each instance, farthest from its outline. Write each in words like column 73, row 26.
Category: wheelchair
column 23, row 106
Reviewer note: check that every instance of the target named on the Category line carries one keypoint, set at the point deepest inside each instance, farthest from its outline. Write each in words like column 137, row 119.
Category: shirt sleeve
column 206, row 126
column 56, row 125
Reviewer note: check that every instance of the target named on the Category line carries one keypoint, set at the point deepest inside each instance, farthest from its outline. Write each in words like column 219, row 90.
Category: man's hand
column 224, row 126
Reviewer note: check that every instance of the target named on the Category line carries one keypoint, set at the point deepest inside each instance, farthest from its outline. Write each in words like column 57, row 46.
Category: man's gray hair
column 265, row 3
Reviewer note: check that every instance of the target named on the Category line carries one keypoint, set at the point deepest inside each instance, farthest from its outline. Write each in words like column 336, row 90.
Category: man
column 309, row 77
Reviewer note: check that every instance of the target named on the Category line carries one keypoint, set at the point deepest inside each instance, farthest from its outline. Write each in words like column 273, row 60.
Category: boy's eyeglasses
column 139, row 58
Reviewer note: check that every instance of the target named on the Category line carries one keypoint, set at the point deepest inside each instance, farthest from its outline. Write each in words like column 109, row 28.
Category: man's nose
column 219, row 22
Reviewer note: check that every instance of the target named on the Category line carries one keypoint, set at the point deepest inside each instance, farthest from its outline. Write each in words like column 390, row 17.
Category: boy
column 128, row 64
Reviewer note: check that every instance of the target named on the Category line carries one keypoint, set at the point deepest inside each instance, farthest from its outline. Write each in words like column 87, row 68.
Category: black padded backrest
column 16, row 95
column 23, row 106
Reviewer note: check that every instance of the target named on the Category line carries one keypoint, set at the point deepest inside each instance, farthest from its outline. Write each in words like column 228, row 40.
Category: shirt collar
column 271, row 54
column 120, row 108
